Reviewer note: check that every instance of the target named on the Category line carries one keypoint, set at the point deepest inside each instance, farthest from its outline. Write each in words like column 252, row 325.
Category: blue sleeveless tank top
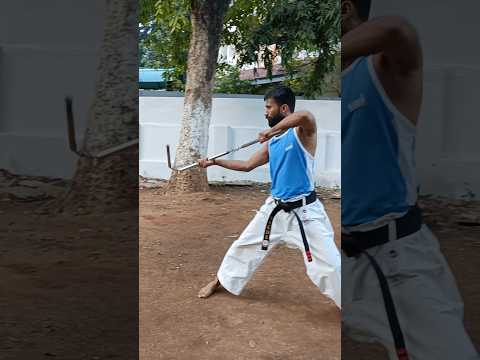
column 378, row 147
column 291, row 167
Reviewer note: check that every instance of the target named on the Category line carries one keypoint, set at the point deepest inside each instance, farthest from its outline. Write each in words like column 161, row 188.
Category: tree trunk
column 207, row 23
column 111, row 181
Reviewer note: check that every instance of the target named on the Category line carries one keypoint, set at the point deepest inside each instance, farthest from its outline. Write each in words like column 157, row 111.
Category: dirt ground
column 280, row 315
column 69, row 284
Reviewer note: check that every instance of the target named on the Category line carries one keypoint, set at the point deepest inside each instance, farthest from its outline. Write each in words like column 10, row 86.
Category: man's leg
column 325, row 268
column 245, row 254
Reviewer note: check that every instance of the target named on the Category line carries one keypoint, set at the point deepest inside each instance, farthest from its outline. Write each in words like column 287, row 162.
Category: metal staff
column 186, row 167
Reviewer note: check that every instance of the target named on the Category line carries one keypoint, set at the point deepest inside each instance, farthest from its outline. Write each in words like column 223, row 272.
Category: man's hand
column 204, row 163
column 265, row 135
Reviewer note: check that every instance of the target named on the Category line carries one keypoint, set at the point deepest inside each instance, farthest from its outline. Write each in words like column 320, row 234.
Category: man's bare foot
column 209, row 289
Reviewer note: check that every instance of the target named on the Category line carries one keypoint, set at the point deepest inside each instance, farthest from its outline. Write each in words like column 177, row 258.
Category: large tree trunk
column 207, row 24
column 111, row 181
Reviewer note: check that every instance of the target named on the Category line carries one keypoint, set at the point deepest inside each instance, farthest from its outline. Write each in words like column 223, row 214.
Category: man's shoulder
column 310, row 128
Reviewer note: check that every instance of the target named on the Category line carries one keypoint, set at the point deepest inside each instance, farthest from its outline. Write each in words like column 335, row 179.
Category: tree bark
column 207, row 23
column 112, row 181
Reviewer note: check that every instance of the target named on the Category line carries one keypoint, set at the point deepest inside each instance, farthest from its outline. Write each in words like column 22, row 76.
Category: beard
column 275, row 120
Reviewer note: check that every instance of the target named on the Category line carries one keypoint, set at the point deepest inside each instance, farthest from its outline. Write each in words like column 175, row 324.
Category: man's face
column 273, row 112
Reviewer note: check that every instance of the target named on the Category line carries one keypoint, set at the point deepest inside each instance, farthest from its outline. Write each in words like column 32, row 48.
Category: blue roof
column 151, row 75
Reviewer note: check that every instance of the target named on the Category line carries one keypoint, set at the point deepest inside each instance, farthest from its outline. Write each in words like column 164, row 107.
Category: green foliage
column 165, row 30
column 310, row 28
column 330, row 86
column 227, row 81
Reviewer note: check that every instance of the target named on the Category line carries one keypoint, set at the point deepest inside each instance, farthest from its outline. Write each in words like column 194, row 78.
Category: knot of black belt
column 289, row 207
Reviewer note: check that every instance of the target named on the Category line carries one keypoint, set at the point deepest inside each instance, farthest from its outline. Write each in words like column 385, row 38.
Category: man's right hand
column 204, row 163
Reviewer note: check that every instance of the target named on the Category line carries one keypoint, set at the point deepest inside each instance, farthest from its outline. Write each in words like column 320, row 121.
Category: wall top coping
column 156, row 93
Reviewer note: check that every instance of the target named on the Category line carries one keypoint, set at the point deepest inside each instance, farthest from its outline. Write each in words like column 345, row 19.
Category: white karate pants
column 245, row 254
column 428, row 304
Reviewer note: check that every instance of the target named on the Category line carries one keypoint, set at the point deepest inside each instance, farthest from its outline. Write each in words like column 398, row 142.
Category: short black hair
column 282, row 95
column 363, row 8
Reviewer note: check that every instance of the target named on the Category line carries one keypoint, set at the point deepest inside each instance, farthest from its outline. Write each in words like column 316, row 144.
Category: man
column 390, row 255
column 292, row 214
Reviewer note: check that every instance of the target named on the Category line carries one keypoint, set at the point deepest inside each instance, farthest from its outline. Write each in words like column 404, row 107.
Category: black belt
column 289, row 207
column 357, row 243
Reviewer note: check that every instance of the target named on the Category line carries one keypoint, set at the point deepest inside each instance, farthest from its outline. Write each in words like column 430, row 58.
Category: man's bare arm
column 258, row 159
column 306, row 127
column 301, row 119
column 392, row 36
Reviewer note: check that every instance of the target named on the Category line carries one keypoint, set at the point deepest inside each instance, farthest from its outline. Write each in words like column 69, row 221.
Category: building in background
column 152, row 79
column 255, row 73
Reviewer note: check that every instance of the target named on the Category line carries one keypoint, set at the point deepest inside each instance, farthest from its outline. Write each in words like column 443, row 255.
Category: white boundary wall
column 448, row 159
column 41, row 62
column 235, row 120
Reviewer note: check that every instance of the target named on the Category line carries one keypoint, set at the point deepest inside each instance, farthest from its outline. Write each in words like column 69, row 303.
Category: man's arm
column 304, row 120
column 306, row 128
column 391, row 36
column 258, row 159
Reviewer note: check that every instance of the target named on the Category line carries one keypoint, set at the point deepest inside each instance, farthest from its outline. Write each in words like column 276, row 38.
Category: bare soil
column 69, row 284
column 280, row 315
